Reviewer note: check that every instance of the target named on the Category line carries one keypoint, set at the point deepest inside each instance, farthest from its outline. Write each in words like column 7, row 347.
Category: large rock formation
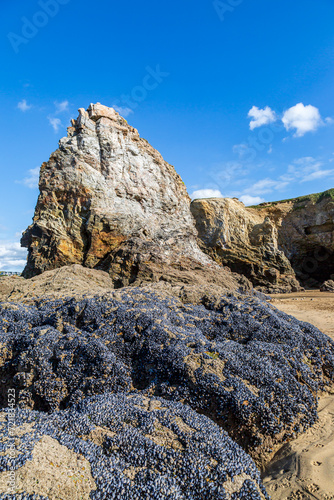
column 244, row 240
column 306, row 234
column 328, row 286
column 274, row 243
column 109, row 201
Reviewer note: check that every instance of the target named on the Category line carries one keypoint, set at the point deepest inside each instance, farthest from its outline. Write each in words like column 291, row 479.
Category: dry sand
column 304, row 469
column 312, row 306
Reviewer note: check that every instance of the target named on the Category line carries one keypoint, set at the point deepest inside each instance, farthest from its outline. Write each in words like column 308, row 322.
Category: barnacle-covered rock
column 125, row 447
column 249, row 367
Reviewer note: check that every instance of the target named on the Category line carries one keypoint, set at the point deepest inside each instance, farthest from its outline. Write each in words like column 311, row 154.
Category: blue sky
column 241, row 101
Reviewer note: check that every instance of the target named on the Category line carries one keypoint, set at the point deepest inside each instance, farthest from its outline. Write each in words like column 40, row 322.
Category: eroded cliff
column 306, row 234
column 273, row 243
column 244, row 240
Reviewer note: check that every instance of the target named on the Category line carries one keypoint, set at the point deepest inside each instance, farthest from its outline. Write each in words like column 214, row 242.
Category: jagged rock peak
column 109, row 201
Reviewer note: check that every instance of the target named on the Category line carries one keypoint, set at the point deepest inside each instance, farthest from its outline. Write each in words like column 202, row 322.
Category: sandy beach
column 304, row 469
column 311, row 306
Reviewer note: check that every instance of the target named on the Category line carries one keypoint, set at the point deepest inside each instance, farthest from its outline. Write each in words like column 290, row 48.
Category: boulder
column 68, row 281
column 328, row 286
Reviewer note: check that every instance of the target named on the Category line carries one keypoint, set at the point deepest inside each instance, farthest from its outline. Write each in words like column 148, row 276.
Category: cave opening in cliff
column 315, row 267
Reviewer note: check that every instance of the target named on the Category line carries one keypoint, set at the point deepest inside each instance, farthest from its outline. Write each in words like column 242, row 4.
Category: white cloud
column 31, row 181
column 302, row 170
column 266, row 186
column 12, row 256
column 123, row 111
column 61, row 106
column 251, row 200
column 307, row 162
column 242, row 150
column 24, row 106
column 303, row 119
column 55, row 123
column 206, row 193
column 320, row 174
column 261, row 117
column 299, row 118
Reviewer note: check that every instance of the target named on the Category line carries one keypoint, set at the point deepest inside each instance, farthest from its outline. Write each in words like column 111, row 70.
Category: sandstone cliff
column 272, row 243
column 109, row 201
column 306, row 234
column 245, row 240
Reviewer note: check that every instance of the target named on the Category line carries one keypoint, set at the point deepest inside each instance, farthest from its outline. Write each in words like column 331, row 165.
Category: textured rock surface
column 245, row 240
column 250, row 368
column 306, row 234
column 76, row 281
column 125, row 447
column 109, row 201
column 67, row 281
column 328, row 286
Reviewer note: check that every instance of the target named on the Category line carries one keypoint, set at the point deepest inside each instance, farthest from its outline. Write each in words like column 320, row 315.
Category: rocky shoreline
column 232, row 367
column 139, row 355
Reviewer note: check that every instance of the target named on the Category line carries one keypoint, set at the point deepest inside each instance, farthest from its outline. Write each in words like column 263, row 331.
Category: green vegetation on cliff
column 314, row 198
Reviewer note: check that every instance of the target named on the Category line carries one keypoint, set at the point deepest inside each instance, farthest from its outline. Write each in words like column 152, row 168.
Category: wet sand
column 304, row 469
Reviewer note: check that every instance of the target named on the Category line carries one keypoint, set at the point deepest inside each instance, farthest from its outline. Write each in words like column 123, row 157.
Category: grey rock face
column 109, row 201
